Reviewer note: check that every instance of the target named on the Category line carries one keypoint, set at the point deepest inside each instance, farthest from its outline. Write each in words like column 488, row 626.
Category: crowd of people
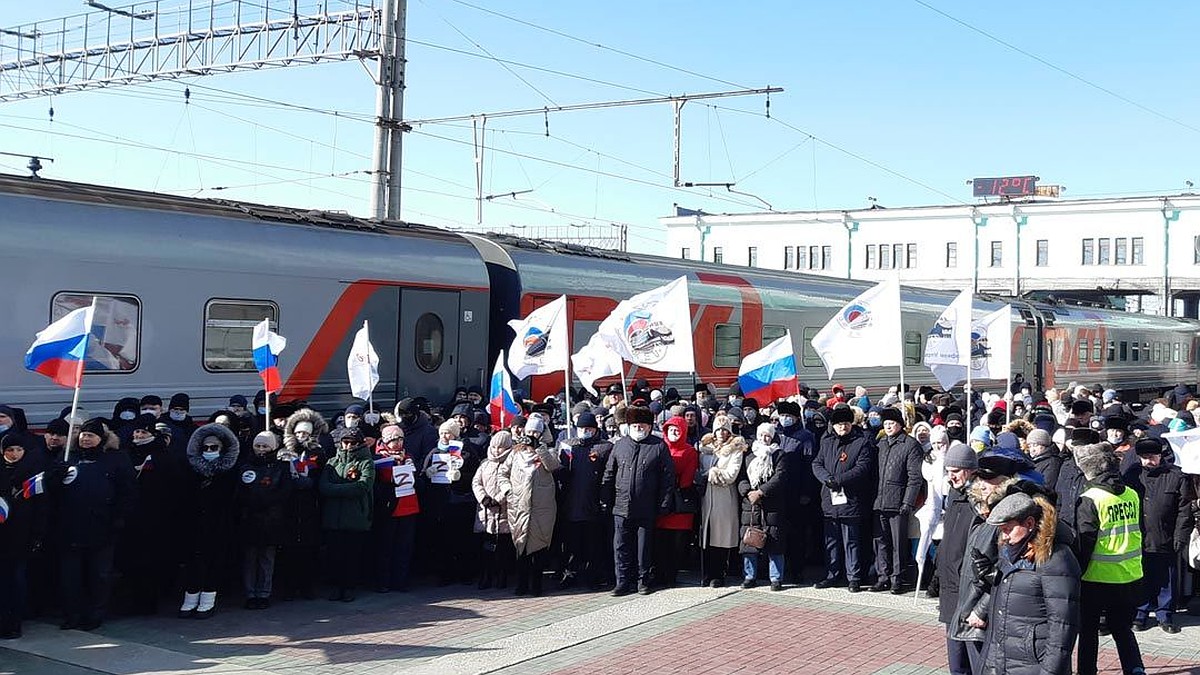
column 1053, row 515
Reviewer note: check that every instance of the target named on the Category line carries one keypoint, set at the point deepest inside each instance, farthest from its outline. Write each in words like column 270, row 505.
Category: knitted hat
column 94, row 426
column 1008, row 440
column 343, row 434
column 181, row 400
column 586, row 420
column 58, row 427
column 355, row 409
column 500, row 440
column 639, row 415
column 534, row 426
column 892, row 414
column 450, row 426
column 267, row 438
column 1095, row 459
column 1039, row 437
column 841, row 414
column 959, row 456
column 765, row 427
column 1109, row 395
column 1016, row 506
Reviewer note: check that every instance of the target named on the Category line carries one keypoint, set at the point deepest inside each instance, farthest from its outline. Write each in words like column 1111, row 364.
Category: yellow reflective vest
column 1117, row 558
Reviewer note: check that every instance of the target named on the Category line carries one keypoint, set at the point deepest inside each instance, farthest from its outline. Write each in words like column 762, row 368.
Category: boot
column 208, row 602
column 485, row 579
column 188, row 609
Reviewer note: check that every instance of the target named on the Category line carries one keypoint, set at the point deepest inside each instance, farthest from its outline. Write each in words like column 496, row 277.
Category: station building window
column 789, row 258
column 752, row 256
column 685, row 253
column 1136, row 249
column 718, row 254
column 1102, row 251
column 952, row 254
column 826, row 257
column 114, row 345
column 1121, row 254
column 912, row 256
column 1089, row 252
column 885, row 257
column 872, row 257
column 997, row 254
column 229, row 331
column 802, row 258
column 898, row 255
column 1043, row 253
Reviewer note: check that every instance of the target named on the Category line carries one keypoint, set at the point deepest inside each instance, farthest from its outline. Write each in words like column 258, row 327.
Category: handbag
column 754, row 536
column 687, row 500
column 1193, row 555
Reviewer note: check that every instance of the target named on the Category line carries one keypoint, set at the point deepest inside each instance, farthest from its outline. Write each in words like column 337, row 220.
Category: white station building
column 1137, row 250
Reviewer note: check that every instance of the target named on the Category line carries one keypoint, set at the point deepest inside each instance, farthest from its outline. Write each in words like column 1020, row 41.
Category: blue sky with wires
column 900, row 100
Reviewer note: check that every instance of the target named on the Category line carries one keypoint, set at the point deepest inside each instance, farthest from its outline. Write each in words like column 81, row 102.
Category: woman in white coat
column 491, row 518
column 929, row 516
column 721, row 455
column 528, row 480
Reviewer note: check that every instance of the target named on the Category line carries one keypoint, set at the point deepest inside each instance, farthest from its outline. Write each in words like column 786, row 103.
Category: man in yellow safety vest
column 1109, row 549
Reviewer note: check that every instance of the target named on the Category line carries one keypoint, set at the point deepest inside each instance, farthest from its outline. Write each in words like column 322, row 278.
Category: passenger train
column 180, row 283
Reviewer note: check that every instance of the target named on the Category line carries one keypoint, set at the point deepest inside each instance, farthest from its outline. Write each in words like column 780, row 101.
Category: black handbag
column 687, row 500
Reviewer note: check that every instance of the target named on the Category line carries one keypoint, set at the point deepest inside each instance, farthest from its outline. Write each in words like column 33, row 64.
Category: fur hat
column 619, row 413
column 1148, row 446
column 959, row 456
column 1083, row 436
column 1116, row 422
column 840, row 414
column 1082, row 406
column 1095, row 459
column 639, row 415
column 789, row 408
column 892, row 414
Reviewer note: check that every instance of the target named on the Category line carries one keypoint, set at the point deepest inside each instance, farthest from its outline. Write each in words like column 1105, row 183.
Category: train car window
column 1028, row 352
column 1083, row 350
column 772, row 333
column 1124, row 351
column 912, row 348
column 428, row 339
column 115, row 343
column 1135, row 351
column 809, row 357
column 727, row 345
column 1097, row 350
column 1145, row 351
column 1157, row 352
column 1112, row 351
column 1175, row 352
column 228, row 331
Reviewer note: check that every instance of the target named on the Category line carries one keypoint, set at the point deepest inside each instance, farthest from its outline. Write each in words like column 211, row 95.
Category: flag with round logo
column 865, row 332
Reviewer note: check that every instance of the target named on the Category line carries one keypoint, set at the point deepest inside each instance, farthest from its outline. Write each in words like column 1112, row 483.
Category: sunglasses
column 212, row 447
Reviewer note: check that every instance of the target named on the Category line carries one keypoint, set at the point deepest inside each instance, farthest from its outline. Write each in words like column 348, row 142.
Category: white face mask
column 1115, row 437
column 351, row 422
column 639, row 434
column 178, row 415
column 142, row 441
column 210, row 455
column 786, row 421
column 149, row 411
column 623, row 429
column 128, row 415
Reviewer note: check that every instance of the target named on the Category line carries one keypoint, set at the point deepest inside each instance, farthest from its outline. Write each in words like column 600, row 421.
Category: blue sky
column 879, row 84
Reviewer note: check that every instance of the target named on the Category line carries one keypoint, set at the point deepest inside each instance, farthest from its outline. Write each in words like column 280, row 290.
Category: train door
column 429, row 334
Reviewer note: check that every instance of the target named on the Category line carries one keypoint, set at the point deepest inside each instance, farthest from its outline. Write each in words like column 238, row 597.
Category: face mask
column 808, row 415
column 1115, row 437
column 178, row 415
column 351, row 422
column 4, row 428
column 587, row 433
column 211, row 455
column 128, row 415
column 673, row 435
column 786, row 421
column 750, row 414
column 874, row 422
column 142, row 441
column 623, row 429
column 475, row 399
column 638, row 434
column 262, row 410
column 735, row 402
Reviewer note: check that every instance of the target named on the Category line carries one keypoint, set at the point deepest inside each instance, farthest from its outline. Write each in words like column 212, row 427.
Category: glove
column 833, row 485
column 906, row 510
column 984, row 568
column 488, row 502
column 431, row 472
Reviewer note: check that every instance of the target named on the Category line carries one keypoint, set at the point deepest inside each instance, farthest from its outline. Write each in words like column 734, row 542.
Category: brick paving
column 460, row 630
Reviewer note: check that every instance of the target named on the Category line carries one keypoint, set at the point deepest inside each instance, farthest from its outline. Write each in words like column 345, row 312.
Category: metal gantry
column 168, row 39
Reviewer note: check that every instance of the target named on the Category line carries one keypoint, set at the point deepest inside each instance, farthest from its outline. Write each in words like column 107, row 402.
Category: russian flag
column 34, row 485
column 770, row 373
column 266, row 346
column 58, row 350
column 502, row 404
column 385, row 462
column 301, row 465
column 3, row 510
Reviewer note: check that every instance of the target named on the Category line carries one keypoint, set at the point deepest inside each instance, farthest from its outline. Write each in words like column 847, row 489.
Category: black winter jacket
column 263, row 496
column 1068, row 486
column 1050, row 465
column 900, row 480
column 1034, row 619
column 27, row 518
column 1166, row 507
column 974, row 589
column 583, row 475
column 95, row 497
column 956, row 527
column 850, row 461
column 803, row 488
column 770, row 513
column 639, row 478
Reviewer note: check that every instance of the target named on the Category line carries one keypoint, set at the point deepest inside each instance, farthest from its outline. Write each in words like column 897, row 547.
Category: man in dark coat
column 1070, row 479
column 638, row 483
column 1047, row 459
column 23, row 530
column 179, row 417
column 1167, row 524
column 959, row 518
column 420, row 436
column 804, row 491
column 900, row 480
column 844, row 466
column 588, row 539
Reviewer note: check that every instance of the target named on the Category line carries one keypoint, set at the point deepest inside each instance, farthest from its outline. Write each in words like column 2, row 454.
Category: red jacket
column 687, row 462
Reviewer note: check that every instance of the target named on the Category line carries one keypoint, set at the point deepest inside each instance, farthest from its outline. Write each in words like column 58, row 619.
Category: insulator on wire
column 187, row 95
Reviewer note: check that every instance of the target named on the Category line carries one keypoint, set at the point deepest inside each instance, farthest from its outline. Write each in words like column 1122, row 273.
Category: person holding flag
column 22, row 528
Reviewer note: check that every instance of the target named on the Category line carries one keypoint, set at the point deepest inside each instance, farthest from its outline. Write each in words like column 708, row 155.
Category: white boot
column 190, row 601
column 208, row 600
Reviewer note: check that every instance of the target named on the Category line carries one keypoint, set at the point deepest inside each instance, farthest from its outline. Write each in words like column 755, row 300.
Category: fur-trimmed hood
column 1042, row 544
column 734, row 445
column 229, row 450
column 291, row 445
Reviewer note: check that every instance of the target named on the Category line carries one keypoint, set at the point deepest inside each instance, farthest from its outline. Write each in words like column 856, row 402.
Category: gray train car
column 181, row 282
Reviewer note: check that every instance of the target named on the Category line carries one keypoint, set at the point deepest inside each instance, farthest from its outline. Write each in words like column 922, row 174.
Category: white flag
column 866, row 332
column 1186, row 446
column 991, row 351
column 595, row 360
column 363, row 365
column 654, row 329
column 540, row 346
column 949, row 341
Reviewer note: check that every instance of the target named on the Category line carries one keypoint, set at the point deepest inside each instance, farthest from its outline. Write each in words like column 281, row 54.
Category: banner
column 949, row 341
column 653, row 329
column 540, row 346
column 865, row 332
column 990, row 351
column 362, row 366
column 1186, row 446
column 595, row 360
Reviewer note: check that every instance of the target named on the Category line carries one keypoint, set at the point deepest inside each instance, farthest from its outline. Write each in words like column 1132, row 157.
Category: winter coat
column 386, row 502
column 804, row 490
column 263, row 492
column 211, row 498
column 304, row 507
column 958, row 520
column 639, row 478
column 721, row 507
column 420, row 438
column 27, row 518
column 492, row 520
column 528, row 480
column 687, row 462
column 974, row 591
column 346, row 486
column 1068, row 486
column 1049, row 464
column 1087, row 518
column 770, row 511
column 94, row 498
column 1034, row 619
column 162, row 478
column 457, row 495
column 850, row 461
column 1166, row 508
column 899, row 471
column 585, row 471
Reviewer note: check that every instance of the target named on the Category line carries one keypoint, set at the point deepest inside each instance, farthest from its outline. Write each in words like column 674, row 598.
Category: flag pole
column 624, row 389
column 371, row 394
column 79, row 382
column 567, row 395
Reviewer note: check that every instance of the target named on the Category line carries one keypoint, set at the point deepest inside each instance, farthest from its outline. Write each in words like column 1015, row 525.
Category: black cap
column 613, row 389
column 1148, row 446
column 58, row 427
column 237, row 399
column 841, row 414
column 342, row 434
column 150, row 399
column 586, row 419
column 181, row 400
column 94, row 426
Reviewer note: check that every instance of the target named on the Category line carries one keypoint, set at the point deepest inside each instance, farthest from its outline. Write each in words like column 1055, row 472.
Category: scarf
column 761, row 467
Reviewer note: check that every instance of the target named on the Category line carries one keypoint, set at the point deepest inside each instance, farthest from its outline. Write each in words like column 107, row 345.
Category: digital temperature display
column 1010, row 186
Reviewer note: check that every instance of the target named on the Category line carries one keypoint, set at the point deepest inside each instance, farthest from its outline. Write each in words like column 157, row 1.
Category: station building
column 1130, row 252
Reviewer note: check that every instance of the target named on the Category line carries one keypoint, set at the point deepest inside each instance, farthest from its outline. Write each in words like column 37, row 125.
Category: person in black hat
column 151, row 405
column 1082, row 411
column 703, row 397
column 420, row 436
column 637, row 485
column 1070, row 479
column 1167, row 497
column 804, row 541
column 899, row 458
column 844, row 465
column 1116, row 432
column 55, row 439
column 588, row 537
column 181, row 422
column 613, row 395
